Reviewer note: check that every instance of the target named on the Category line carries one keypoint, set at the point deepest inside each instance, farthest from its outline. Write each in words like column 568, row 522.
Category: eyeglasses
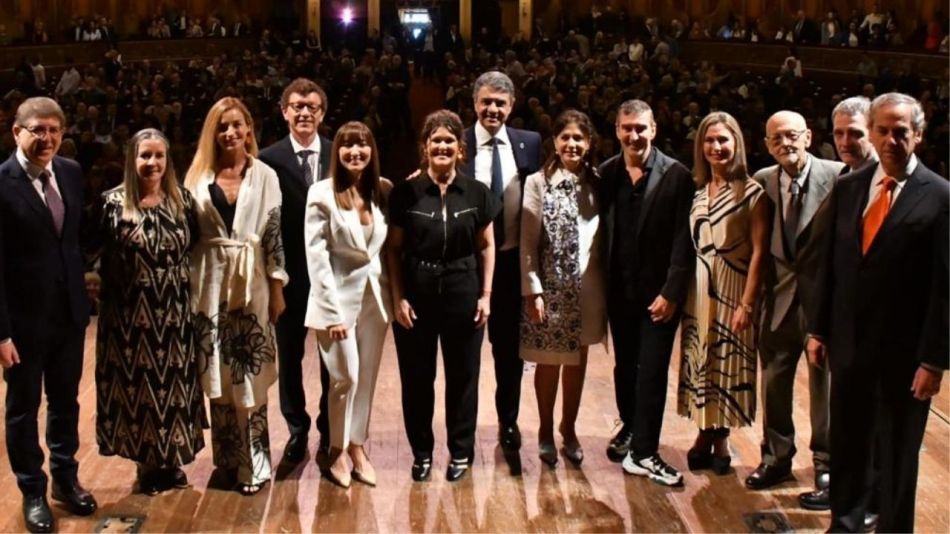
column 792, row 136
column 300, row 106
column 43, row 131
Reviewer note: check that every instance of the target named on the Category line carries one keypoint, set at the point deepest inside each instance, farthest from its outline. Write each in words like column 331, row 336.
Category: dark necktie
column 791, row 217
column 307, row 167
column 54, row 202
column 498, row 189
column 497, row 180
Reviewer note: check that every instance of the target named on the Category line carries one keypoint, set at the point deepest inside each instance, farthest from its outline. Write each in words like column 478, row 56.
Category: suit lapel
column 325, row 149
column 819, row 184
column 24, row 187
column 660, row 166
column 856, row 210
column 773, row 190
column 914, row 190
column 293, row 165
column 517, row 148
column 471, row 148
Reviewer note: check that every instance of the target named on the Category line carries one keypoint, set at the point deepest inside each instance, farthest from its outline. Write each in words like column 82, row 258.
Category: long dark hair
column 586, row 126
column 368, row 187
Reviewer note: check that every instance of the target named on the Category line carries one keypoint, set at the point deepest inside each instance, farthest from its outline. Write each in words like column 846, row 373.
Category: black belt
column 440, row 267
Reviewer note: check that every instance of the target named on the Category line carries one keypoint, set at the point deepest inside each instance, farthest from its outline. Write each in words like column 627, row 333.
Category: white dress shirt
column 786, row 182
column 878, row 180
column 511, row 182
column 314, row 158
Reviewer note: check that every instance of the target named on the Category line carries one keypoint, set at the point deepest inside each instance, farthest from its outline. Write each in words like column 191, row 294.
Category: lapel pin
column 521, row 146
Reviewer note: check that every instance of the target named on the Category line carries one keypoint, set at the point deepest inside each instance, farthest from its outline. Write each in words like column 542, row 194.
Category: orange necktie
column 877, row 213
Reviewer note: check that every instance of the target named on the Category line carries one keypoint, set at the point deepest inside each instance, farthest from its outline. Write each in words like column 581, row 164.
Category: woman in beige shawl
column 238, row 273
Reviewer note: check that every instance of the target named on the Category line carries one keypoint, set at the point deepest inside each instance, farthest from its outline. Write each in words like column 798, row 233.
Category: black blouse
column 220, row 202
column 416, row 206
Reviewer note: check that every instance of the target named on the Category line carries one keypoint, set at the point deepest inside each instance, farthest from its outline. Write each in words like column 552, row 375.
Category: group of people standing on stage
column 213, row 285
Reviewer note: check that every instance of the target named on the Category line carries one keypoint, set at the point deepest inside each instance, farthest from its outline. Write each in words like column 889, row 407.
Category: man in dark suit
column 849, row 122
column 299, row 159
column 645, row 198
column 502, row 158
column 44, row 310
column 881, row 318
column 798, row 187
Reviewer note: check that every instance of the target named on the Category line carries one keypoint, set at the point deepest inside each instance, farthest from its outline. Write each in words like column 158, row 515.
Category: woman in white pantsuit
column 349, row 306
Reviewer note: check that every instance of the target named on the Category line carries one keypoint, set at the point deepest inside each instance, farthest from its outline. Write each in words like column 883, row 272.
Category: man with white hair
column 798, row 187
column 880, row 318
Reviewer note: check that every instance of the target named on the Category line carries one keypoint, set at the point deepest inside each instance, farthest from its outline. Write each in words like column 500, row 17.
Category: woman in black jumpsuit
column 440, row 254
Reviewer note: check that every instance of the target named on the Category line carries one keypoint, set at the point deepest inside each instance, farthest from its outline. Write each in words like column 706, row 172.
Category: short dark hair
column 442, row 118
column 303, row 86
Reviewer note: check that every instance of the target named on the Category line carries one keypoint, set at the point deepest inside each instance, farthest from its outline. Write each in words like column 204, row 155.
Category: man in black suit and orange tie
column 44, row 310
column 502, row 158
column 300, row 159
column 881, row 318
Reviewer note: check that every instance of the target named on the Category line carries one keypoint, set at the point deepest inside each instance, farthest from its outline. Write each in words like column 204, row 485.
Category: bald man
column 798, row 187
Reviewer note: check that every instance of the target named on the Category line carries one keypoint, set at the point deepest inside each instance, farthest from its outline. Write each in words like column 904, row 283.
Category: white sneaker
column 653, row 467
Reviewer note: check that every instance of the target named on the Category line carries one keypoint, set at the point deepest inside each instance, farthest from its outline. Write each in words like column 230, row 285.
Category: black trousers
column 446, row 319
column 503, row 333
column 291, row 336
column 55, row 361
column 876, row 425
column 642, row 351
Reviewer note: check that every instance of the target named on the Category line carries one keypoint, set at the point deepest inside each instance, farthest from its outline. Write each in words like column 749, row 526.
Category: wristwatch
column 746, row 307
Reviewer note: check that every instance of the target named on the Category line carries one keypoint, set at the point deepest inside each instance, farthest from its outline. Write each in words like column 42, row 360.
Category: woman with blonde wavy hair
column 147, row 232
column 237, row 280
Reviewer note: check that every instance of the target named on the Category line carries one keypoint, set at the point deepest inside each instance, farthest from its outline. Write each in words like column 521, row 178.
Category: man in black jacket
column 299, row 159
column 44, row 310
column 645, row 201
column 881, row 318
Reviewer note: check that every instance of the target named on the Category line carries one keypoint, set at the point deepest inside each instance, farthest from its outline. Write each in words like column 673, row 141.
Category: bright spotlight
column 347, row 15
column 416, row 32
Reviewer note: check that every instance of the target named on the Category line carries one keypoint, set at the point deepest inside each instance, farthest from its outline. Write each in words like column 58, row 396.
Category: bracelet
column 746, row 307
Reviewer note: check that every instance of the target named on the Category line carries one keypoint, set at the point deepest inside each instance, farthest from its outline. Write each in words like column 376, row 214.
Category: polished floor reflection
column 513, row 494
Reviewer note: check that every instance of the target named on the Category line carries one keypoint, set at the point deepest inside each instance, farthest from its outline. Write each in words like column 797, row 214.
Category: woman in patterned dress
column 729, row 226
column 562, row 279
column 149, row 404
column 237, row 289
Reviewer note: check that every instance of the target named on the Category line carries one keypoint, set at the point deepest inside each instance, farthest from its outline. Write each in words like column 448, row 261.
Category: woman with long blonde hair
column 237, row 282
column 729, row 227
column 147, row 232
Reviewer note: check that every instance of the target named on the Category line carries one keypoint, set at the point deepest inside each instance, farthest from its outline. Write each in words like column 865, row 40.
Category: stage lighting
column 347, row 16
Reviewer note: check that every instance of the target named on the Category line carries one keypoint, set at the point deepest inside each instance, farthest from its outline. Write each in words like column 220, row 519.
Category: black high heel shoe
column 721, row 464
column 698, row 459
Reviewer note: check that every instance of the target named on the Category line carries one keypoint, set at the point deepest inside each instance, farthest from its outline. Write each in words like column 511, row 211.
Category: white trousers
column 353, row 364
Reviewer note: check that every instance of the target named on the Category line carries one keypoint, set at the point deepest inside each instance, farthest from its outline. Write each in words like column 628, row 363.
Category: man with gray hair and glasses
column 502, row 158
column 849, row 121
column 880, row 318
column 44, row 310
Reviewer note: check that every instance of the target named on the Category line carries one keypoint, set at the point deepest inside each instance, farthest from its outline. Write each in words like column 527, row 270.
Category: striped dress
column 718, row 366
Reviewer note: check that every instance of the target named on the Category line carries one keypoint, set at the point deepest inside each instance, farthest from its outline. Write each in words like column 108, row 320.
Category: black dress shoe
column 422, row 469
column 819, row 499
column 765, row 476
column 457, row 469
column 296, row 449
column 620, row 444
column 322, row 458
column 509, row 436
column 36, row 514
column 74, row 497
column 870, row 522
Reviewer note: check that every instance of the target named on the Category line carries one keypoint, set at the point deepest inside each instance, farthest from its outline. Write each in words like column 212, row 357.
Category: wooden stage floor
column 596, row 497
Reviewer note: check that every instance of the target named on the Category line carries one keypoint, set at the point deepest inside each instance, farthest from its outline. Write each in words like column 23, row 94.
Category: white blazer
column 340, row 261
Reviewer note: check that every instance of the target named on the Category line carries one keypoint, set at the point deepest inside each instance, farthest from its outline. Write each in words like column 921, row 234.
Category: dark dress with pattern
column 150, row 406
